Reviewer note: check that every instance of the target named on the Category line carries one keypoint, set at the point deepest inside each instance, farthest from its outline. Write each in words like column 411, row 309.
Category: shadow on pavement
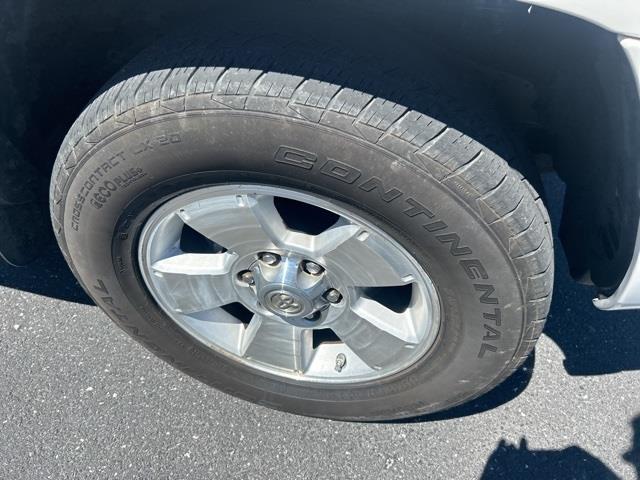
column 49, row 276
column 511, row 461
column 633, row 455
column 593, row 342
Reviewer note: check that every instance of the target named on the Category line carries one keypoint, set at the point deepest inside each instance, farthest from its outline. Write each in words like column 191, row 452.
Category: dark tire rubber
column 430, row 175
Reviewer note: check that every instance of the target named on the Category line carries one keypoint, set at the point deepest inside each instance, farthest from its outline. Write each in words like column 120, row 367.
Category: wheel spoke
column 376, row 334
column 242, row 223
column 194, row 282
column 217, row 327
column 274, row 342
column 364, row 257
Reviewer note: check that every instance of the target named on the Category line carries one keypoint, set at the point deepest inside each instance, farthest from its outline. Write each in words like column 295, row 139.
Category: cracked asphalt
column 80, row 399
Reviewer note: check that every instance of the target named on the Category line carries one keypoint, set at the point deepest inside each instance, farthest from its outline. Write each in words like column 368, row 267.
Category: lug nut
column 271, row 259
column 247, row 277
column 332, row 295
column 312, row 268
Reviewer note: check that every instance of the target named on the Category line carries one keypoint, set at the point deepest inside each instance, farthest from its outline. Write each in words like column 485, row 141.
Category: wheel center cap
column 284, row 302
column 283, row 286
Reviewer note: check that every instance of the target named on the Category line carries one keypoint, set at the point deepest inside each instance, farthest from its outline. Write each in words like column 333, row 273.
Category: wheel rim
column 288, row 283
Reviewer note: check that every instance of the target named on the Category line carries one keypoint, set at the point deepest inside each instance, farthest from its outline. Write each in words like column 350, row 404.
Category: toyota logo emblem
column 285, row 302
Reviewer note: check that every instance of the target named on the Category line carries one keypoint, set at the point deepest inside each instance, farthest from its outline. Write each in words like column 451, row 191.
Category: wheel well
column 562, row 86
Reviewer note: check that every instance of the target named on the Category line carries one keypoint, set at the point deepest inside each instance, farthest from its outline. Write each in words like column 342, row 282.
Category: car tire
column 432, row 176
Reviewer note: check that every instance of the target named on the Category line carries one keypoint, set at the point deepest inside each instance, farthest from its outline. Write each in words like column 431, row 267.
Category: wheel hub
column 285, row 288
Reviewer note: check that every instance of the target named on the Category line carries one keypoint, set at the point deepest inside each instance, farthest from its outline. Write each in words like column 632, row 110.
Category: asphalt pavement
column 80, row 399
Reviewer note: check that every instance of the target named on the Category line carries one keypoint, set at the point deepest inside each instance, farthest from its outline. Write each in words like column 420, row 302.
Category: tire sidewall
column 147, row 164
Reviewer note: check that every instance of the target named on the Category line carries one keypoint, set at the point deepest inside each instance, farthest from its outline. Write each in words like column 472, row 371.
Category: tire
column 440, row 190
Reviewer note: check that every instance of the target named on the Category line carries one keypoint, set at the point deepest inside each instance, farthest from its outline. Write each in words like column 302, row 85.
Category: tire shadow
column 48, row 276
